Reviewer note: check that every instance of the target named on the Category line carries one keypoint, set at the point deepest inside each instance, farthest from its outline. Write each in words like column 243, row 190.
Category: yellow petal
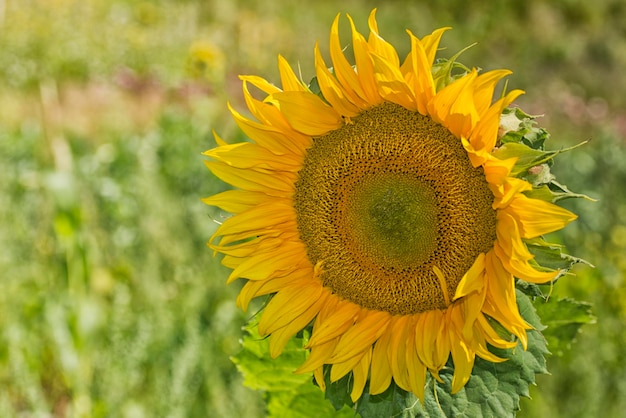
column 270, row 263
column 454, row 107
column 537, row 217
column 279, row 184
column 220, row 142
column 510, row 189
column 361, row 335
column 415, row 369
column 359, row 373
column 332, row 90
column 443, row 284
column 295, row 324
column 513, row 252
column 339, row 370
column 228, row 240
column 478, row 158
column 501, row 303
column 473, row 280
column 497, row 171
column 287, row 304
column 247, row 155
column 256, row 107
column 491, row 335
column 378, row 45
column 335, row 325
column 254, row 289
column 270, row 137
column 260, row 83
column 257, row 219
column 509, row 239
column 470, row 307
column 442, row 342
column 479, row 346
column 391, row 84
column 288, row 77
column 485, row 134
column 427, row 332
column 430, row 44
column 418, row 70
column 270, row 115
column 253, row 246
column 381, row 370
column 319, row 355
column 485, row 87
column 463, row 358
column 319, row 378
column 397, row 355
column 522, row 269
column 364, row 66
column 235, row 201
column 307, row 113
column 343, row 69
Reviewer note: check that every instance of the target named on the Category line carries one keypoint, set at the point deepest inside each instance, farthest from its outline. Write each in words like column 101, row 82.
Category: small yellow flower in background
column 378, row 212
column 205, row 61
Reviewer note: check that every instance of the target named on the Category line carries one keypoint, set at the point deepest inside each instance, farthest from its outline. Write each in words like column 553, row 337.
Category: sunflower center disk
column 382, row 201
column 393, row 218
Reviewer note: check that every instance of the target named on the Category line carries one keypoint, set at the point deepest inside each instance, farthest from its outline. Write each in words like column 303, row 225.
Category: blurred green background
column 110, row 303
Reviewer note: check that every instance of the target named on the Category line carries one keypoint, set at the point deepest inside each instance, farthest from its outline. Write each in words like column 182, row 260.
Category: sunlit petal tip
column 288, row 78
column 260, row 83
column 371, row 21
column 319, row 378
column 463, row 358
column 473, row 280
column 220, row 142
column 360, row 374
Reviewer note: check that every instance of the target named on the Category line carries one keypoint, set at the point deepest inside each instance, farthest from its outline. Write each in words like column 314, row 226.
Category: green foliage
column 520, row 128
column 287, row 394
column 523, row 140
column 551, row 255
column 563, row 319
column 110, row 300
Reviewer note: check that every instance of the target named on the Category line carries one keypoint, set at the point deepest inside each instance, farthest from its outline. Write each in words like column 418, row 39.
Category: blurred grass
column 112, row 306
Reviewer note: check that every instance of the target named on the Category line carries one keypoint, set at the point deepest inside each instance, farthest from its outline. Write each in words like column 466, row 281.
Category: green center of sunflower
column 393, row 218
column 384, row 202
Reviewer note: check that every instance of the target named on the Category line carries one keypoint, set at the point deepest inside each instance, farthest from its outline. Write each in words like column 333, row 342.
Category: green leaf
column 520, row 127
column 287, row 394
column 551, row 191
column 314, row 86
column 563, row 319
column 260, row 371
column 528, row 158
column 529, row 289
column 539, row 175
column 443, row 69
column 338, row 393
column 394, row 402
column 551, row 256
column 304, row 401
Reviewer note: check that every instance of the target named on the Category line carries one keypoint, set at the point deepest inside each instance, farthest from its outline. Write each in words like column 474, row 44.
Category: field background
column 110, row 303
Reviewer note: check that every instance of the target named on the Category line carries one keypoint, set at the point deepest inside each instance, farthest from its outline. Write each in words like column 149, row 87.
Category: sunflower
column 375, row 212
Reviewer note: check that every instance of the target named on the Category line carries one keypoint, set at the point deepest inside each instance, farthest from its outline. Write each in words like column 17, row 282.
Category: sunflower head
column 380, row 211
